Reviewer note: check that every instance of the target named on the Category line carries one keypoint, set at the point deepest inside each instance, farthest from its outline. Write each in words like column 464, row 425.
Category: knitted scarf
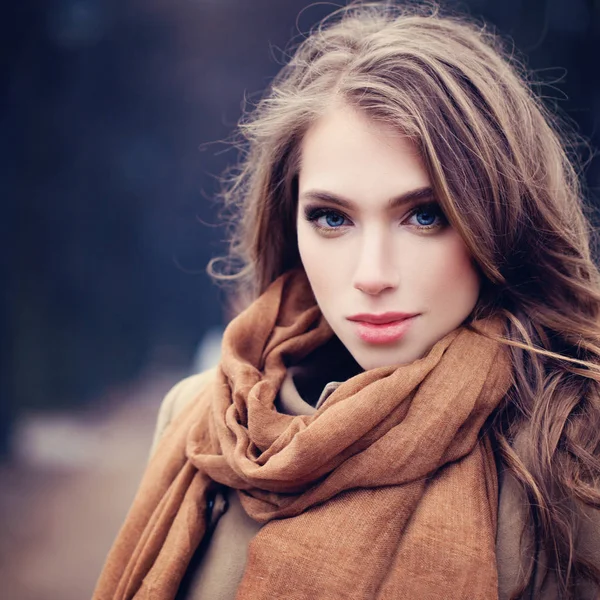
column 388, row 491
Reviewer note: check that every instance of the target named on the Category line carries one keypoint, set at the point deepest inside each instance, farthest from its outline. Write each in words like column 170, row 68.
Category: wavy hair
column 503, row 171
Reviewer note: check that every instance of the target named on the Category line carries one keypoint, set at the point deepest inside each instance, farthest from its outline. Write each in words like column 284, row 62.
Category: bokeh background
column 114, row 116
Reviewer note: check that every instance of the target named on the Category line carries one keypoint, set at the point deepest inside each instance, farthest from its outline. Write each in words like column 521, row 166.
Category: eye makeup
column 329, row 220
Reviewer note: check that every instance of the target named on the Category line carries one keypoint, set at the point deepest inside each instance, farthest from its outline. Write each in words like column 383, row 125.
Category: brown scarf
column 388, row 491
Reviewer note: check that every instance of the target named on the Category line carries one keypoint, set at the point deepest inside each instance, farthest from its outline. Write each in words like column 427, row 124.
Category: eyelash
column 313, row 214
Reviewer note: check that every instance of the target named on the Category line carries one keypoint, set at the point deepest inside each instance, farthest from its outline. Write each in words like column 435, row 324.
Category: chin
column 373, row 358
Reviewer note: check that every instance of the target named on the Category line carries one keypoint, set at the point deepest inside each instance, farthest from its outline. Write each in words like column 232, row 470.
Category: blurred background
column 112, row 121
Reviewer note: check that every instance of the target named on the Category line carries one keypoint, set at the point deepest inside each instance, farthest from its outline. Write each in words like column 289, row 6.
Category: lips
column 381, row 319
column 386, row 328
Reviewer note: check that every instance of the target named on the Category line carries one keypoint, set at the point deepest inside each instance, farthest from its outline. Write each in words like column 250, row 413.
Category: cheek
column 307, row 248
column 455, row 281
column 311, row 255
column 317, row 253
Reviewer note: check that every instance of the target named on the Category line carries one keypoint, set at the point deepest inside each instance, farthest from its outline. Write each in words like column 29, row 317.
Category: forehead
column 350, row 154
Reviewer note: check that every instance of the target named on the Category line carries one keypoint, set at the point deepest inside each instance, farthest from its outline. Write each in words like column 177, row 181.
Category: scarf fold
column 388, row 491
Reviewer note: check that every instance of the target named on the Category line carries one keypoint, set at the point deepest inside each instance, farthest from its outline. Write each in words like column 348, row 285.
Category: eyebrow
column 422, row 193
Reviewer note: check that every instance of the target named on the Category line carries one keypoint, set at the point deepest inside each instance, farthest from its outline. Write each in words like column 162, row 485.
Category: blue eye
column 334, row 219
column 428, row 216
column 325, row 218
column 425, row 217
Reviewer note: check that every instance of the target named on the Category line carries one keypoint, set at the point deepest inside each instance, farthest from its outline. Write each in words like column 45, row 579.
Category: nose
column 375, row 269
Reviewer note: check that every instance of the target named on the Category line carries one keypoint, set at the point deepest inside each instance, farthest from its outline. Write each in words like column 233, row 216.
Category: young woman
column 410, row 405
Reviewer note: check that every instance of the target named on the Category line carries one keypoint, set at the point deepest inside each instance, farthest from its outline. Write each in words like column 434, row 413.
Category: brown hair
column 498, row 163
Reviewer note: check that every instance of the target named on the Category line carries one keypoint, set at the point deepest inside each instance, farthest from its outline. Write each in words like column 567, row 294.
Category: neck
column 329, row 362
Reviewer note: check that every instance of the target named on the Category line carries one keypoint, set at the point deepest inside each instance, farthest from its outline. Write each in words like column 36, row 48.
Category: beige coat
column 218, row 565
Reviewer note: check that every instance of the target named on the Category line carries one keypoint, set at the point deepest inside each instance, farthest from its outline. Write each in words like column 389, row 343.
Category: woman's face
column 375, row 245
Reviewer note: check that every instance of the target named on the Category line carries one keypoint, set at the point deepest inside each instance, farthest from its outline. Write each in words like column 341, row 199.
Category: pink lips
column 385, row 328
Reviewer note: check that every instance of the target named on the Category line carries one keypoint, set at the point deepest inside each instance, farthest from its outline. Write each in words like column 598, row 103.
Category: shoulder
column 178, row 397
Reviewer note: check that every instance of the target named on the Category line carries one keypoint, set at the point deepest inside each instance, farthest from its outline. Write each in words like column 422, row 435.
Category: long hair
column 501, row 171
